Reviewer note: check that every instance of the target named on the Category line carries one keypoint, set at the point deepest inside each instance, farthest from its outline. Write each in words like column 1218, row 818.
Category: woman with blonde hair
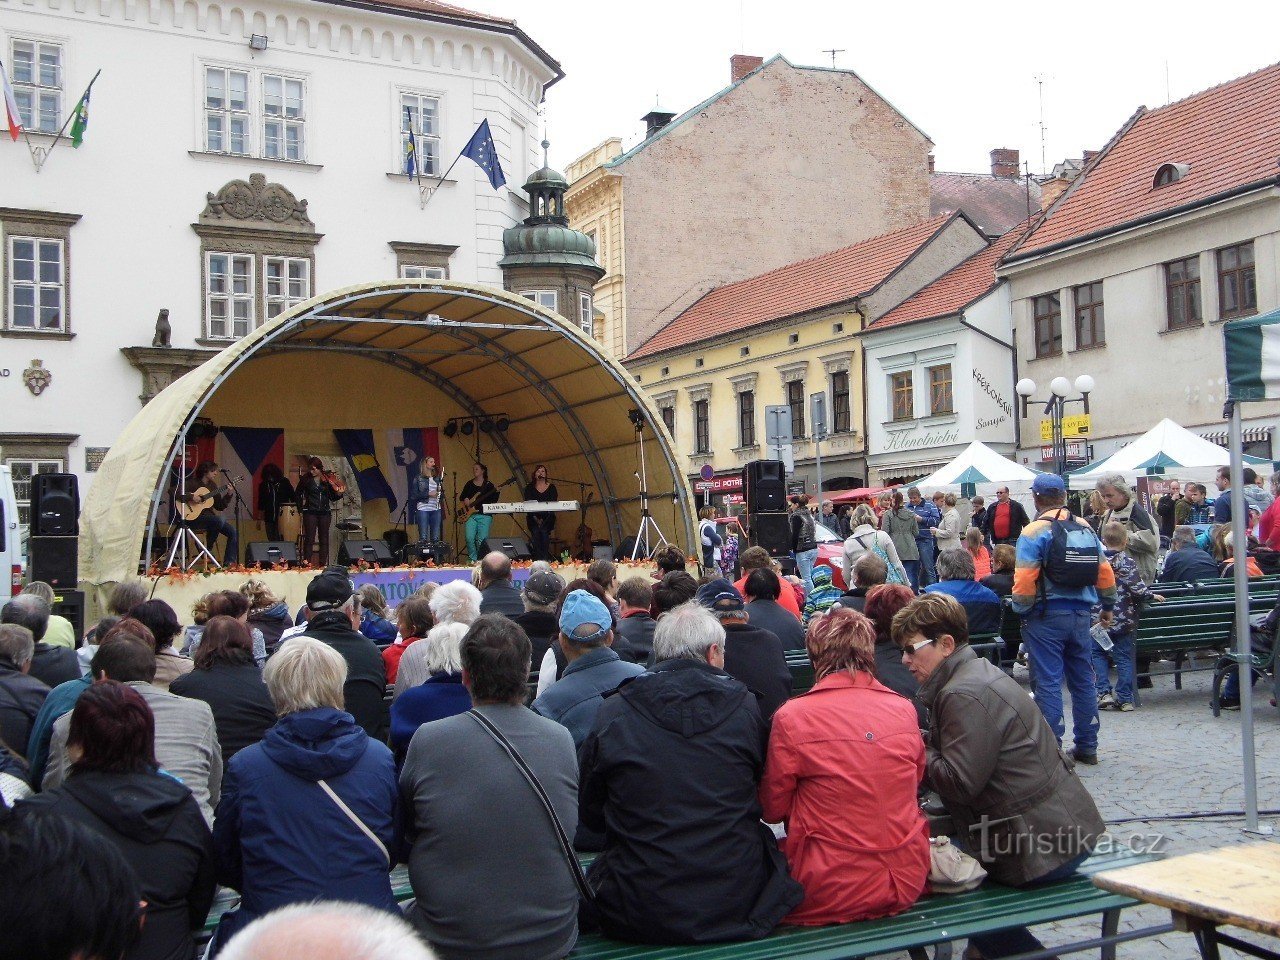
column 373, row 615
column 856, row 747
column 267, row 612
column 865, row 538
column 453, row 602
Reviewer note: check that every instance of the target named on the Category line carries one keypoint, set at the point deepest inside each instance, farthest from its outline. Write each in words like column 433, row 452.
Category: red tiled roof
column 1229, row 135
column 956, row 289
column 441, row 9
column 797, row 288
column 995, row 204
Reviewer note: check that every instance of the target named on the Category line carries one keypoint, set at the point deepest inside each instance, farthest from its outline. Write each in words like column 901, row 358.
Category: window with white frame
column 36, row 69
column 37, row 284
column 226, row 111
column 423, row 112
column 22, row 471
column 413, row 271
column 283, row 118
column 546, row 299
column 286, row 281
column 229, row 295
column 585, row 312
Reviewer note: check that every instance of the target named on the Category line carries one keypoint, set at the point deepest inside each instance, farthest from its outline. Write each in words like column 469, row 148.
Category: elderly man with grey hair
column 49, row 664
column 1124, row 509
column 955, row 579
column 327, row 930
column 673, row 764
column 21, row 695
column 1186, row 562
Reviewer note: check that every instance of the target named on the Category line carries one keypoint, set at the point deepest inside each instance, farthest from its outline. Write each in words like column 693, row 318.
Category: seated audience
column 454, row 602
column 850, row 744
column 634, row 642
column 192, row 632
column 1000, row 580
column 1228, row 560
column 593, row 669
column 21, row 695
column 15, row 783
column 60, row 632
column 326, row 930
column 476, row 827
column 311, row 812
column 1186, row 562
column 883, row 603
column 50, row 665
column 868, row 571
column 373, row 615
column 186, row 737
column 116, row 788
column 158, row 617
column 335, row 619
column 955, row 579
column 672, row 590
column 413, row 621
column 990, row 751
column 268, row 614
column 226, row 678
column 497, row 593
column 974, row 543
column 669, row 774
column 226, row 603
column 48, row 859
column 91, row 640
column 822, row 597
column 538, row 621
column 763, row 587
column 757, row 558
column 670, row 559
column 605, row 574
column 440, row 695
column 554, row 660
column 125, row 595
column 752, row 654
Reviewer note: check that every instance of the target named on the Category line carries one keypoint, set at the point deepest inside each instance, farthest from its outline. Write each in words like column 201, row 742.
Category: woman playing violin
column 317, row 489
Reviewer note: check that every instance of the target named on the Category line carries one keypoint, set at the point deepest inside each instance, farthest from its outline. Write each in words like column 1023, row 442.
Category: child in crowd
column 823, row 595
column 973, row 542
column 1129, row 590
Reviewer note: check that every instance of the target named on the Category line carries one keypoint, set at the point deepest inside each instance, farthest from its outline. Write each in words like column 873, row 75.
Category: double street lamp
column 1055, row 408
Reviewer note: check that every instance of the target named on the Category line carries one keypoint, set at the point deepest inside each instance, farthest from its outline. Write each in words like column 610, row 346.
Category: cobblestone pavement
column 1171, row 757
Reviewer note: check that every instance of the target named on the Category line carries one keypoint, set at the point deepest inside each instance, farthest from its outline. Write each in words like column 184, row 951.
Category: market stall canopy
column 1165, row 448
column 407, row 353
column 857, row 494
column 979, row 466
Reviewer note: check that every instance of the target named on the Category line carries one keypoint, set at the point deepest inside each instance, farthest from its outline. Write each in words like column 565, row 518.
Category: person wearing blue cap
column 586, row 638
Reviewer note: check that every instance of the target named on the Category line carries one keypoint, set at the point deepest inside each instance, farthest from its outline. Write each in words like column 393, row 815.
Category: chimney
column 740, row 64
column 1089, row 155
column 931, row 162
column 655, row 120
column 1004, row 163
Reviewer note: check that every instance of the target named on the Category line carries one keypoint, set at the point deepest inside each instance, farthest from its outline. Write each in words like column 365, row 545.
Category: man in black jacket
column 1186, row 562
column 751, row 654
column 634, row 641
column 539, row 618
column 21, row 696
column 763, row 610
column 1004, row 520
column 49, row 664
column 497, row 593
column 673, row 764
column 335, row 619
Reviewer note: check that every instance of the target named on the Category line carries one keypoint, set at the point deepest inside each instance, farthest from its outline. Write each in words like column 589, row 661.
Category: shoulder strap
column 566, row 845
column 351, row 815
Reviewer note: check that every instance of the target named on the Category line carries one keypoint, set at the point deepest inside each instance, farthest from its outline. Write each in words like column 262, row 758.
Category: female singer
column 541, row 524
column 426, row 499
column 275, row 491
column 475, row 493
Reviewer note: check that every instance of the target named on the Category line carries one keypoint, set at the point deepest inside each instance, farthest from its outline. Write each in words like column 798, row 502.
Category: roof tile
column 995, row 204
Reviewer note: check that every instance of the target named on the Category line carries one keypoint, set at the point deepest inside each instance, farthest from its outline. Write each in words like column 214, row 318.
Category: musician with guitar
column 476, row 492
column 541, row 525
column 207, row 496
column 317, row 489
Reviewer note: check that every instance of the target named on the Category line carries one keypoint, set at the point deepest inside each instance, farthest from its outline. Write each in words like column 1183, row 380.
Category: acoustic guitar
column 203, row 498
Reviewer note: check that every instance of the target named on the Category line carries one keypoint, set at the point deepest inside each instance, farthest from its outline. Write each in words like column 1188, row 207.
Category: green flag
column 81, row 122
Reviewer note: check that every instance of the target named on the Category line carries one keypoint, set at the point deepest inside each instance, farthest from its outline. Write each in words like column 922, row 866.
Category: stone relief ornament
column 36, row 377
column 256, row 200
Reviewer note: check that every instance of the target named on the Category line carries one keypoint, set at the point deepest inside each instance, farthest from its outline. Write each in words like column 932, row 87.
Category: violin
column 328, row 477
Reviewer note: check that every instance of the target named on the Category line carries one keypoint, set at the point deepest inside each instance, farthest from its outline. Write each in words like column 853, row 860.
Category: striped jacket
column 1030, row 586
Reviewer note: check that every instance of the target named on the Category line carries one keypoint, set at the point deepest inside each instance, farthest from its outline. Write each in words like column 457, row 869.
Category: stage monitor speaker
column 54, row 560
column 773, row 532
column 427, row 551
column 397, row 540
column 517, row 548
column 604, row 551
column 55, row 505
column 268, row 553
column 764, row 486
column 352, row 552
column 70, row 604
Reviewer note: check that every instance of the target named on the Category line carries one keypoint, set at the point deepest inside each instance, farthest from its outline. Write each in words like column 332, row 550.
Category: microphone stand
column 239, row 502
column 456, row 525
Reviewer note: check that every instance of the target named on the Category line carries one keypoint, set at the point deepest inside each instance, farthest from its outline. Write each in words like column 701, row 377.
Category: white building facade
column 239, row 159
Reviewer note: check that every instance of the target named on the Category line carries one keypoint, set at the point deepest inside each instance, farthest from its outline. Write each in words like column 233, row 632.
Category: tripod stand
column 180, row 543
column 647, row 522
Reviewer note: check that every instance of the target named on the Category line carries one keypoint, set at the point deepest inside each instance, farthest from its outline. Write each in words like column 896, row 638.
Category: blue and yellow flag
column 410, row 148
column 357, row 447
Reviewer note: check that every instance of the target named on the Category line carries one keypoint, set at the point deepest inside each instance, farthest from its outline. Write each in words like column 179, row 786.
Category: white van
column 12, row 550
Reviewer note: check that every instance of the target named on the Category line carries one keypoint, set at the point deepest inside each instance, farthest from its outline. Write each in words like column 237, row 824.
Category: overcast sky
column 965, row 73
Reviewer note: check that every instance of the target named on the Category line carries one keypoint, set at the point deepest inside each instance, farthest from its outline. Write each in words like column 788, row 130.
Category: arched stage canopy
column 397, row 354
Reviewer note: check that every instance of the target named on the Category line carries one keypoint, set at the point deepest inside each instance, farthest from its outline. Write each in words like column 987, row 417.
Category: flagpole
column 442, row 179
column 58, row 136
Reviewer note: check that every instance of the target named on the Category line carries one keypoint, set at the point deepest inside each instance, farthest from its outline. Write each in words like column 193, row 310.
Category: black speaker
column 771, row 531
column 764, row 486
column 370, row 551
column 55, row 505
column 427, row 551
column 517, row 548
column 267, row 553
column 70, row 604
column 397, row 540
column 54, row 560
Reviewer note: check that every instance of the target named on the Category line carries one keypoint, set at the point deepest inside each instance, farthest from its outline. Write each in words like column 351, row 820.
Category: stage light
column 502, row 424
column 450, row 428
column 486, row 425
column 468, row 427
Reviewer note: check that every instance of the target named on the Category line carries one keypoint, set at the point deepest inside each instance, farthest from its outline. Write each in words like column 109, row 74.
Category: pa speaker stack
column 269, row 553
column 352, row 552
column 764, row 486
column 55, row 526
column 517, row 548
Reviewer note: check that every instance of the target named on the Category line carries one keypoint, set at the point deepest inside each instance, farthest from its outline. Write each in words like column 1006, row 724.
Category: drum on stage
column 290, row 522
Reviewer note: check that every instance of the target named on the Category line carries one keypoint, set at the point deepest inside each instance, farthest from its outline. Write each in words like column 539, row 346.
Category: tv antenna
column 833, row 55
column 1044, row 163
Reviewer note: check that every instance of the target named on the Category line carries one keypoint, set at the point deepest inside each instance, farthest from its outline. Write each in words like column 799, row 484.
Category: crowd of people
column 485, row 732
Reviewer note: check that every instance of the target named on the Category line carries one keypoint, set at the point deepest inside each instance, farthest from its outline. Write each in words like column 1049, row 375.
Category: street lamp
column 1055, row 408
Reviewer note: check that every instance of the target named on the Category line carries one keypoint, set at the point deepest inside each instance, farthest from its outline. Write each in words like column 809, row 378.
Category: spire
column 546, row 146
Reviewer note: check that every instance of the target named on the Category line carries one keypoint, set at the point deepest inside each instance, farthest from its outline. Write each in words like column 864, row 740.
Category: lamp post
column 1055, row 408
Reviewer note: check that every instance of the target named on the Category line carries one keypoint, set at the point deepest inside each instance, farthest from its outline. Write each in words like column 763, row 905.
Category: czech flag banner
column 245, row 451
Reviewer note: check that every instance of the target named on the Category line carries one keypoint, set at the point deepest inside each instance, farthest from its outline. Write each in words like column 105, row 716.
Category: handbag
column 951, row 870
column 566, row 845
column 892, row 575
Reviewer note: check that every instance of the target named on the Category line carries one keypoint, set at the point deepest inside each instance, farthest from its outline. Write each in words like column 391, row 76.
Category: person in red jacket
column 414, row 621
column 844, row 764
column 757, row 558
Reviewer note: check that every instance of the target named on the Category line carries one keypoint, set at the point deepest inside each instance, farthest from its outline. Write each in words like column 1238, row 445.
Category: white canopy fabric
column 1167, row 448
column 982, row 467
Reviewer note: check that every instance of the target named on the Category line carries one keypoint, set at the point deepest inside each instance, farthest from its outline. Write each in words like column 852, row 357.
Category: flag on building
column 411, row 147
column 11, row 113
column 408, row 446
column 81, row 122
column 1253, row 357
column 480, row 148
column 357, row 447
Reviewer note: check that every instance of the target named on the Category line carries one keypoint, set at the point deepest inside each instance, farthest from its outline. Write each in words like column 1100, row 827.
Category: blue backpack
column 1074, row 556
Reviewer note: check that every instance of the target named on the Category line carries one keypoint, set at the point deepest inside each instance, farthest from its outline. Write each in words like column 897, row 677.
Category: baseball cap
column 719, row 596
column 581, row 611
column 329, row 590
column 1048, row 483
column 543, row 586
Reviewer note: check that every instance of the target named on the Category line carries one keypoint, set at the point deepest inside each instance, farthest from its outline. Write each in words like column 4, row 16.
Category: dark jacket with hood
column 755, row 657
column 673, row 765
column 271, row 622
column 633, row 640
column 541, row 628
column 242, row 707
column 280, row 839
column 366, row 686
column 21, row 697
column 157, row 825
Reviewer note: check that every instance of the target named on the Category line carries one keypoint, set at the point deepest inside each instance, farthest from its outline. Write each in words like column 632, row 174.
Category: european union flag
column 480, row 148
column 411, row 148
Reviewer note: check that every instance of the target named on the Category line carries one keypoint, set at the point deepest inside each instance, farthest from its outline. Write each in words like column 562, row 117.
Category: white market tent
column 1167, row 449
column 980, row 470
